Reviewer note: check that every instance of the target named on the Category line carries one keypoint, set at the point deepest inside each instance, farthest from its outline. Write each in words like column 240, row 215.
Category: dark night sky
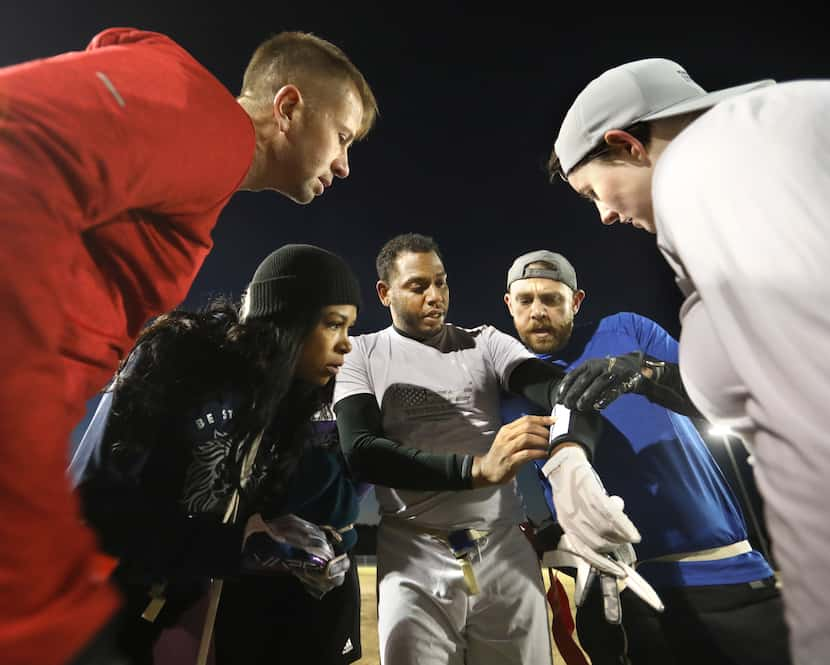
column 470, row 103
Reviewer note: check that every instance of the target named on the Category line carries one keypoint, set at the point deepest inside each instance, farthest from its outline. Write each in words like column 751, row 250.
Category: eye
column 335, row 325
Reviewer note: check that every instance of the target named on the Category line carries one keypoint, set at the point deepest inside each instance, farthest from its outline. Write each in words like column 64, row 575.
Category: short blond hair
column 303, row 59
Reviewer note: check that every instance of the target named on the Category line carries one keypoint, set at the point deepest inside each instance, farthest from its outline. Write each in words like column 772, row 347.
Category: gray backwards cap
column 634, row 92
column 561, row 269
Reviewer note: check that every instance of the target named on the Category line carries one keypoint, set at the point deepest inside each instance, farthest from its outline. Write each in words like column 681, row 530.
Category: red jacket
column 114, row 165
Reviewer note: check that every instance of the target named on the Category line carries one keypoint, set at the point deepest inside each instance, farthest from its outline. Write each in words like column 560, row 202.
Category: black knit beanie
column 300, row 277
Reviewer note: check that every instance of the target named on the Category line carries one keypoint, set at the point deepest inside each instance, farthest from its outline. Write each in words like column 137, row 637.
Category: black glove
column 599, row 381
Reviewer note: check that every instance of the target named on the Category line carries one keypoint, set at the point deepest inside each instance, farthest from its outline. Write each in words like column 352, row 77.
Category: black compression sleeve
column 665, row 388
column 538, row 381
column 375, row 459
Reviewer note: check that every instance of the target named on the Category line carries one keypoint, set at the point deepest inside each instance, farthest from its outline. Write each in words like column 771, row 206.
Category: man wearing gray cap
column 721, row 602
column 736, row 186
column 417, row 408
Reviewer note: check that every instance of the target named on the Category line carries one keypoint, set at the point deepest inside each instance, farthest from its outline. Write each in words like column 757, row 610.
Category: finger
column 594, row 534
column 535, row 433
column 643, row 589
column 585, row 372
column 540, row 421
column 599, row 561
column 612, row 393
column 518, row 441
column 565, row 384
column 602, row 563
column 592, row 393
column 583, row 379
column 585, row 575
column 621, row 526
column 536, row 441
column 605, row 527
column 610, row 599
column 579, row 378
column 625, row 554
column 525, row 456
column 525, row 424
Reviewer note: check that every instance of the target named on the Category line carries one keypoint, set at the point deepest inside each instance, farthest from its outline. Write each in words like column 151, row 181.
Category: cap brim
column 707, row 100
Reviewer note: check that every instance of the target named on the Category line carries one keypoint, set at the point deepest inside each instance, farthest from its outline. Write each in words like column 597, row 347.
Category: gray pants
column 427, row 617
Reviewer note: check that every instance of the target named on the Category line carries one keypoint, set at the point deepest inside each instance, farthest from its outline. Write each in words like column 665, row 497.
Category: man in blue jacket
column 722, row 604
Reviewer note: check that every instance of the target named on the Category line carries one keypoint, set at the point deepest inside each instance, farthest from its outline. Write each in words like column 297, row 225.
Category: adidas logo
column 348, row 647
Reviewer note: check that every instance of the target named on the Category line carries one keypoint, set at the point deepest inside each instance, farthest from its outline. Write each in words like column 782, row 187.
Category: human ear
column 286, row 103
column 621, row 140
column 382, row 289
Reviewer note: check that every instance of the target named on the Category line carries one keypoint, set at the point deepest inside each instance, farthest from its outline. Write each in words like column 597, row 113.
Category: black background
column 470, row 103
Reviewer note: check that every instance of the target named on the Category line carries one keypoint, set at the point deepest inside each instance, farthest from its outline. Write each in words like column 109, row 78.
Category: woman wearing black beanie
column 202, row 462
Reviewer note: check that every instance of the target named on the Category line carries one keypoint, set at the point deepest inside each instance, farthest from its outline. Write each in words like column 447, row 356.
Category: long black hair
column 183, row 356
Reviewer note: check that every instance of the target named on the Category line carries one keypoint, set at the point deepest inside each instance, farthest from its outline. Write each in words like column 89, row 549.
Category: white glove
column 319, row 582
column 587, row 514
column 616, row 572
column 291, row 544
column 571, row 552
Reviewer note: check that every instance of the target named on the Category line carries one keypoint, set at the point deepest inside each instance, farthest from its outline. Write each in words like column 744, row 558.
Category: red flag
column 562, row 624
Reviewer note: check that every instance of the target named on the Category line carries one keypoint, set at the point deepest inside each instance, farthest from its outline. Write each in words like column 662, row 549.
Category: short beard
column 560, row 336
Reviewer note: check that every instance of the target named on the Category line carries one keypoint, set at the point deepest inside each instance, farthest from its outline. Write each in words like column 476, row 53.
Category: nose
column 434, row 295
column 340, row 166
column 537, row 311
column 344, row 344
column 607, row 215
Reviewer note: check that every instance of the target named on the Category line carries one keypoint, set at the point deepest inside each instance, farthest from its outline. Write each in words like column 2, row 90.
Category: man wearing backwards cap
column 417, row 408
column 720, row 597
column 736, row 185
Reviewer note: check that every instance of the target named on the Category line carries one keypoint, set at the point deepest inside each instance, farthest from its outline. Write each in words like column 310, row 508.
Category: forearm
column 383, row 462
column 663, row 385
column 538, row 381
column 597, row 382
column 376, row 459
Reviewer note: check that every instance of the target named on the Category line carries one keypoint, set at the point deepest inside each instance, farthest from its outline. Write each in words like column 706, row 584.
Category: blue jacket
column 658, row 463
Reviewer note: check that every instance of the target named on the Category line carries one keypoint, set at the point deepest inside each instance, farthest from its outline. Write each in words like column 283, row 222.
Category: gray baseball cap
column 634, row 92
column 561, row 269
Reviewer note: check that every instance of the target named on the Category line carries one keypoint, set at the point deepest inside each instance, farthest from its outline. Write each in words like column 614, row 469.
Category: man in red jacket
column 115, row 163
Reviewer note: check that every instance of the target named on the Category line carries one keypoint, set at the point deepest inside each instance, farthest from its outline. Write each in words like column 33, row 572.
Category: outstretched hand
column 599, row 381
column 516, row 443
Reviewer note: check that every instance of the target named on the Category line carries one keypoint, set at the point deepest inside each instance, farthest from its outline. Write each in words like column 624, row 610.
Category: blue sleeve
column 651, row 337
column 88, row 449
column 319, row 477
column 322, row 491
column 513, row 407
